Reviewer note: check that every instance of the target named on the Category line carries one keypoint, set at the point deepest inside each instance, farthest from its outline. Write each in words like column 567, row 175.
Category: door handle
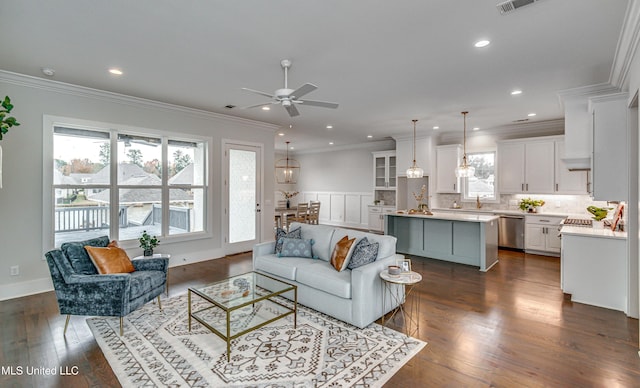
column 522, row 187
column 454, row 187
column 527, row 185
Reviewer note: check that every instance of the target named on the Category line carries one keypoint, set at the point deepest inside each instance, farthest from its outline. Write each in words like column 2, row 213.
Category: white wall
column 21, row 196
column 343, row 170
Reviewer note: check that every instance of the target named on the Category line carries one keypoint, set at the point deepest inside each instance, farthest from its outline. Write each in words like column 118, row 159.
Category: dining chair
column 314, row 212
column 302, row 213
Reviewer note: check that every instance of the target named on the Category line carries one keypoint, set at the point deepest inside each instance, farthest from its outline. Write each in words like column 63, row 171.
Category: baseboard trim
column 30, row 287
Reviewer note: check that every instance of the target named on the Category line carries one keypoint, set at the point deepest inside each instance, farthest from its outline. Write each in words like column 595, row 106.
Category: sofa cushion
column 296, row 247
column 111, row 259
column 341, row 253
column 321, row 236
column 78, row 256
column 386, row 247
column 280, row 233
column 285, row 267
column 143, row 282
column 365, row 252
column 323, row 276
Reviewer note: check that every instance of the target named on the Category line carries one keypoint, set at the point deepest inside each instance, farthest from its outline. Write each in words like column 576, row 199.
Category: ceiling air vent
column 506, row 7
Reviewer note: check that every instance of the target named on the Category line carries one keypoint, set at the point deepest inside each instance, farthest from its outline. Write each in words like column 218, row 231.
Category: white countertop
column 591, row 232
column 451, row 216
column 510, row 211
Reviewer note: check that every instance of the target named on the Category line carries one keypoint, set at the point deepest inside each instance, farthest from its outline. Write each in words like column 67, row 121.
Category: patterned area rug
column 158, row 350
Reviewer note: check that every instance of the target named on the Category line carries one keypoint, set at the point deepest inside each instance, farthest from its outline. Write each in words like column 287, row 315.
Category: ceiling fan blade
column 292, row 110
column 259, row 105
column 258, row 92
column 322, row 104
column 302, row 90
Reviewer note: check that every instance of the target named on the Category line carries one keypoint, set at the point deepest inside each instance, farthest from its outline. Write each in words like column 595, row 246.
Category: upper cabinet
column 448, row 157
column 526, row 166
column 384, row 170
column 404, row 152
column 609, row 162
column 568, row 182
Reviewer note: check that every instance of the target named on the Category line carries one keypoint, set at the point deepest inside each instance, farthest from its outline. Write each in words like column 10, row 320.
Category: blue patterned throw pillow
column 364, row 253
column 296, row 247
column 281, row 233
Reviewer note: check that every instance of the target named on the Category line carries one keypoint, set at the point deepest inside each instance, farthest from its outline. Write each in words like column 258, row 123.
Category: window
column 482, row 185
column 113, row 182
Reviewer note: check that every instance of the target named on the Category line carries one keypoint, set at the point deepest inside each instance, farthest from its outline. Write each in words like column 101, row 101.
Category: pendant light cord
column 464, row 140
column 414, row 141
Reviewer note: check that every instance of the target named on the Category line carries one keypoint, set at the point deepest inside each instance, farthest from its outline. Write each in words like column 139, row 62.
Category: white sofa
column 353, row 296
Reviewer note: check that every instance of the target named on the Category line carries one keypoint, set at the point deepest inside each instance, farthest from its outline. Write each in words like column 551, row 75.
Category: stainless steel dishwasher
column 511, row 231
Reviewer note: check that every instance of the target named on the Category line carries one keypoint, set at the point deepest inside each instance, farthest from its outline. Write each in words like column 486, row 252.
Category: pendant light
column 287, row 170
column 465, row 170
column 414, row 171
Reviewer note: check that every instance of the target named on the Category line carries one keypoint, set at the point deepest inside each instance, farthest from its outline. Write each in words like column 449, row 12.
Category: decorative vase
column 148, row 252
column 288, row 204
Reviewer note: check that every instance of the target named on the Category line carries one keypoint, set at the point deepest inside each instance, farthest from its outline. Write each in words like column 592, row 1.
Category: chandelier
column 287, row 170
column 414, row 171
column 465, row 170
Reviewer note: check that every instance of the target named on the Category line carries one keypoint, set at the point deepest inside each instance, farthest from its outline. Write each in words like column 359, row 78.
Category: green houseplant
column 530, row 205
column 147, row 243
column 6, row 121
column 599, row 213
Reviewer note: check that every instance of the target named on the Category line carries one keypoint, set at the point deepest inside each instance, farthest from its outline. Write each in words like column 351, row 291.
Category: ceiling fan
column 289, row 98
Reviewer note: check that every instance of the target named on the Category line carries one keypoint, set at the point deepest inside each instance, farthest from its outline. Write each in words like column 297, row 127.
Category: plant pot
column 148, row 252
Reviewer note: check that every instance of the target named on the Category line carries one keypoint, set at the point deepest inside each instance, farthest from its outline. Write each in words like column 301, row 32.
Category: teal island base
column 459, row 238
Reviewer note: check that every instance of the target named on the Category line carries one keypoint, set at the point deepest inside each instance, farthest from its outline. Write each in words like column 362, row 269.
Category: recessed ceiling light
column 330, row 143
column 115, row 71
column 49, row 72
column 436, row 127
column 482, row 43
column 281, row 134
column 369, row 136
column 291, row 147
column 329, row 126
column 266, row 108
column 516, row 92
column 476, row 128
column 531, row 114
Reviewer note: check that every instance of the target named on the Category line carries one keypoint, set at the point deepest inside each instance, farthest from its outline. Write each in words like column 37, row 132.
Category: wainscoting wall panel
column 342, row 208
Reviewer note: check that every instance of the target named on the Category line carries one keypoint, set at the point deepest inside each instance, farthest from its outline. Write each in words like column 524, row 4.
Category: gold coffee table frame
column 226, row 296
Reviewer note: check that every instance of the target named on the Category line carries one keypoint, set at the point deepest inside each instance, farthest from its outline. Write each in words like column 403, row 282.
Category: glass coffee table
column 237, row 305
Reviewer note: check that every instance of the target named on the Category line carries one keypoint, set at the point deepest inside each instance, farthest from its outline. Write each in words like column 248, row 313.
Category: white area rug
column 158, row 350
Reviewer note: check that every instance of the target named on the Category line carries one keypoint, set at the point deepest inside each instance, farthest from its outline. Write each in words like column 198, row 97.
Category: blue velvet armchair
column 80, row 290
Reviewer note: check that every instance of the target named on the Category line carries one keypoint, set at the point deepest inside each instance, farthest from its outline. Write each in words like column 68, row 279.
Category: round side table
column 400, row 287
column 157, row 256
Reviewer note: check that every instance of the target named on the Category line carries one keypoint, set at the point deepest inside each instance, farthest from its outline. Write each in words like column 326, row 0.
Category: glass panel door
column 243, row 206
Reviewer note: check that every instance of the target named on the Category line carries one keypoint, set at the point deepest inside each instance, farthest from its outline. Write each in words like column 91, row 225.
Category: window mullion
column 165, row 187
column 114, row 197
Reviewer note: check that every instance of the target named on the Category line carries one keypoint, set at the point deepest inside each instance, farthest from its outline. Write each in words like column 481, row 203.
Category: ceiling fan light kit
column 465, row 170
column 414, row 171
column 287, row 170
column 289, row 98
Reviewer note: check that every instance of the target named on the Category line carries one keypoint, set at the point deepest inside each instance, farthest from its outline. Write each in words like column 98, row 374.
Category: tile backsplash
column 568, row 204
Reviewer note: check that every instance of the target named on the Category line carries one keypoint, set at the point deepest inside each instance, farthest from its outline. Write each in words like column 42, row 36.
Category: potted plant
column 6, row 122
column 147, row 243
column 530, row 205
column 599, row 214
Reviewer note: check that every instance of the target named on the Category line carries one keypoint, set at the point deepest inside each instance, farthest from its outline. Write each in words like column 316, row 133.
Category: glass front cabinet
column 384, row 170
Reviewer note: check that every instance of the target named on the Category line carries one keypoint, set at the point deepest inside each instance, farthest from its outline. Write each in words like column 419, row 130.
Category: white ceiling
column 385, row 62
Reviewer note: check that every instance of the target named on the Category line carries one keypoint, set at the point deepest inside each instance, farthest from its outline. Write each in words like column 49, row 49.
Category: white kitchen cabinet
column 404, row 153
column 384, row 170
column 594, row 269
column 541, row 234
column 376, row 216
column 526, row 166
column 568, row 182
column 448, row 157
column 609, row 160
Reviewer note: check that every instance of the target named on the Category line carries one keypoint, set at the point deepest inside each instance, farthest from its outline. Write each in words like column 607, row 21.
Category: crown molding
column 584, row 92
column 534, row 129
column 390, row 144
column 102, row 95
column 627, row 46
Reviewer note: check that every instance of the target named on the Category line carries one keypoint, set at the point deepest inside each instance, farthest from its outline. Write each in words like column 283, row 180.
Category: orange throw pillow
column 110, row 260
column 341, row 253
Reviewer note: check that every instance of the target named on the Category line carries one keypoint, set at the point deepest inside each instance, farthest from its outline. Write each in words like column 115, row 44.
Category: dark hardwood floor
column 509, row 327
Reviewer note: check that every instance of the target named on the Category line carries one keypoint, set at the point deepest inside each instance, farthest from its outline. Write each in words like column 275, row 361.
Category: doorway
column 243, row 169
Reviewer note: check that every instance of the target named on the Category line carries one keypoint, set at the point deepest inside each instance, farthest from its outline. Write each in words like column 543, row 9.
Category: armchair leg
column 66, row 323
column 159, row 304
column 121, row 321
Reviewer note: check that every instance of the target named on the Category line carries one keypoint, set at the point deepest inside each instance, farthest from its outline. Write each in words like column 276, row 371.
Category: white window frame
column 464, row 181
column 48, row 198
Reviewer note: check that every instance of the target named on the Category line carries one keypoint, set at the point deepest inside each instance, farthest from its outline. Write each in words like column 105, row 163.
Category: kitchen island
column 470, row 239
